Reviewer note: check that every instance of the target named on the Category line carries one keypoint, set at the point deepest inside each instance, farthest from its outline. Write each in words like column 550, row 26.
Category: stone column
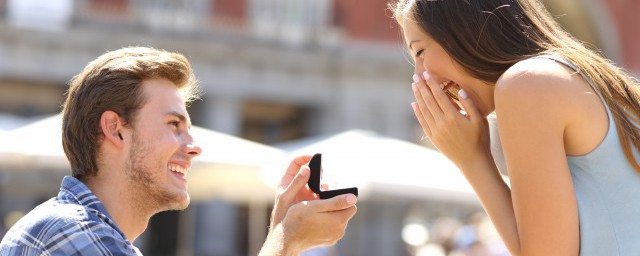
column 223, row 114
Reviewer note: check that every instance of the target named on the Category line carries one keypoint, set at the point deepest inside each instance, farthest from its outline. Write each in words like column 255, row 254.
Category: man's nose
column 192, row 149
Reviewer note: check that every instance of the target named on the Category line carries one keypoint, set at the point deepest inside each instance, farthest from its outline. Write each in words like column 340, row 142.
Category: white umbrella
column 35, row 146
column 381, row 166
column 9, row 122
column 229, row 167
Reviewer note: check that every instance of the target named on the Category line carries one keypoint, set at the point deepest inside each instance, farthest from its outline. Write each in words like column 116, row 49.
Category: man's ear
column 112, row 126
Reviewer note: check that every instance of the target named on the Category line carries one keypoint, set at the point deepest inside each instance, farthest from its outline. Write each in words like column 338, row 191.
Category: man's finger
column 298, row 183
column 293, row 169
column 334, row 204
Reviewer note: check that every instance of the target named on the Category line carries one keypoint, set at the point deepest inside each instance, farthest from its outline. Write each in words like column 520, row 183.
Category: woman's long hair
column 486, row 37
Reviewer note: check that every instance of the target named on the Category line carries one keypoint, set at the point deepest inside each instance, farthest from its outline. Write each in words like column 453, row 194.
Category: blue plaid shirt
column 73, row 223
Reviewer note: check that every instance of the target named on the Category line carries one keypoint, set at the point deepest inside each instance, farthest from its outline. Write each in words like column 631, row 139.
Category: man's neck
column 123, row 207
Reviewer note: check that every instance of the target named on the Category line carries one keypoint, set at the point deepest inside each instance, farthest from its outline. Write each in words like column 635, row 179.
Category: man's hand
column 299, row 220
column 289, row 192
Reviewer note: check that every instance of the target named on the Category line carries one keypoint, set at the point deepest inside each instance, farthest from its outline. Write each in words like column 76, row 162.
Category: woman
column 565, row 117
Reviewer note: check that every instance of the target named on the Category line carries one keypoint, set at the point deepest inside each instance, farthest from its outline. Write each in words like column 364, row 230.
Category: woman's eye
column 175, row 123
column 418, row 53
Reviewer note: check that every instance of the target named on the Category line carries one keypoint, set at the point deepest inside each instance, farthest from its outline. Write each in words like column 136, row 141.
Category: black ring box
column 314, row 180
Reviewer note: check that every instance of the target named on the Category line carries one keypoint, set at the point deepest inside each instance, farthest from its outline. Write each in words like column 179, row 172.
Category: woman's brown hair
column 113, row 82
column 487, row 37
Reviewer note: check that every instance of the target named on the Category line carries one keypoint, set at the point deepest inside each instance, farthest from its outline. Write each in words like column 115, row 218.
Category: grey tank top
column 607, row 190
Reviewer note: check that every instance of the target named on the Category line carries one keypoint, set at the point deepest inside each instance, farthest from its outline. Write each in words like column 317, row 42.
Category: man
column 126, row 135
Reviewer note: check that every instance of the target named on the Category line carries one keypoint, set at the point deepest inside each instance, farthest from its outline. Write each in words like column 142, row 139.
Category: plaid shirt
column 73, row 223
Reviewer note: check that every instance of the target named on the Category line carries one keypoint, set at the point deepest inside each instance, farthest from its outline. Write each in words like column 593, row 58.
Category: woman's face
column 429, row 56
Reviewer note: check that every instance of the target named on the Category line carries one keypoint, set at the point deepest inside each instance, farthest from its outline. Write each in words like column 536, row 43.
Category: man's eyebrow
column 182, row 117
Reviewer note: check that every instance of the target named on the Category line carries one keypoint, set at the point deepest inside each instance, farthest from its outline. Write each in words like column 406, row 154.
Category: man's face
column 161, row 148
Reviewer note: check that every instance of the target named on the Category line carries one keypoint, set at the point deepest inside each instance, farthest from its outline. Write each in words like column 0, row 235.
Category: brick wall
column 366, row 20
column 230, row 9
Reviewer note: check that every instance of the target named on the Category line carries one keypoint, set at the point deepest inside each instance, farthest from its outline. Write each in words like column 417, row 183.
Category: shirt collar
column 74, row 190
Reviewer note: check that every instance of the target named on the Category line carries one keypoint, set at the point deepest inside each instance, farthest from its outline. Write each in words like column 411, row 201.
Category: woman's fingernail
column 426, row 75
column 304, row 172
column 414, row 106
column 462, row 94
column 416, row 78
column 414, row 87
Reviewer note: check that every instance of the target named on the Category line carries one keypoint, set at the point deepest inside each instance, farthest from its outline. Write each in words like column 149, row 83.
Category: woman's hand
column 462, row 135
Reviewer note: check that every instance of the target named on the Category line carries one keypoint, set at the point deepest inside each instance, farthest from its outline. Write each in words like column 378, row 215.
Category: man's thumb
column 298, row 182
column 335, row 203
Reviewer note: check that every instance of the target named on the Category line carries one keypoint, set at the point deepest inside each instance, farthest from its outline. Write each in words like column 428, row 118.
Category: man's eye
column 418, row 53
column 175, row 123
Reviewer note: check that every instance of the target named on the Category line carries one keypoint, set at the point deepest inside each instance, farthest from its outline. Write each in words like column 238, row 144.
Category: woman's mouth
column 451, row 89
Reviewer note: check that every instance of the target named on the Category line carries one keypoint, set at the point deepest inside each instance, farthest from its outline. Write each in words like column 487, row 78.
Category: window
column 290, row 21
column 269, row 122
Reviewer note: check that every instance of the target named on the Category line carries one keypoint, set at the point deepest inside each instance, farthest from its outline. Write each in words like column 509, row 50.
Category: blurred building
column 272, row 71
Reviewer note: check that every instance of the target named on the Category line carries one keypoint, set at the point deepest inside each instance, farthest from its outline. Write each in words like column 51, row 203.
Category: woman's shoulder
column 541, row 87
column 543, row 72
column 541, row 81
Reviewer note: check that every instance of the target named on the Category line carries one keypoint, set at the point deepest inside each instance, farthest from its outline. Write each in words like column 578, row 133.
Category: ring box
column 314, row 180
